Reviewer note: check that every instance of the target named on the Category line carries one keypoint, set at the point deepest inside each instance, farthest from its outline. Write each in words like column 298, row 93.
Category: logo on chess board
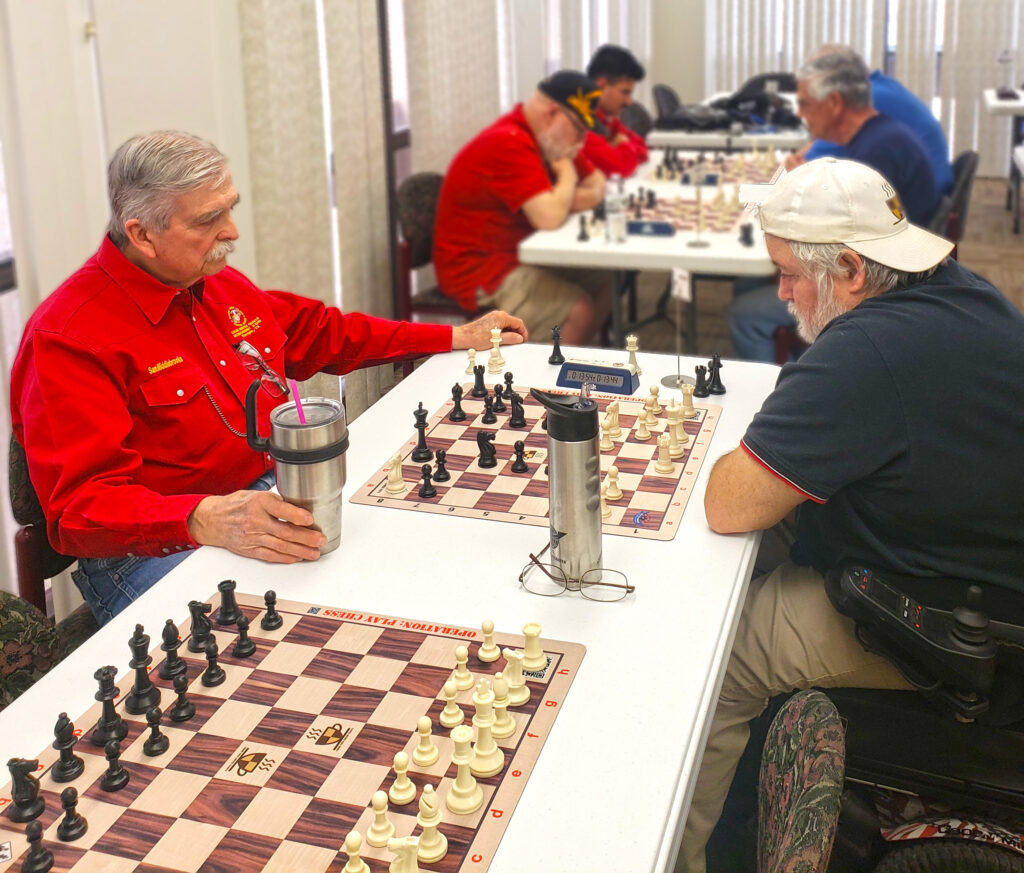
column 333, row 735
column 248, row 762
column 6, row 853
column 313, row 610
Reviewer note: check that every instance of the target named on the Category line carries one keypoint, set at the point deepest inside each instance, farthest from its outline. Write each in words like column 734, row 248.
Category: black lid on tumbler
column 570, row 419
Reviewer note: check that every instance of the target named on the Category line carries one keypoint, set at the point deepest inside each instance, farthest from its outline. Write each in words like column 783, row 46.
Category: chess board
column 280, row 762
column 682, row 213
column 652, row 503
column 733, row 169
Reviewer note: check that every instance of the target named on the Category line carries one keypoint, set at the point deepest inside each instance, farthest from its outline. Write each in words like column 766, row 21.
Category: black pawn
column 244, row 647
column 201, row 626
column 70, row 766
column 427, row 489
column 518, row 417
column 183, row 708
column 116, row 776
column 441, row 474
column 700, row 388
column 519, row 464
column 144, row 693
column 110, row 725
column 272, row 619
column 556, row 352
column 457, row 413
column 26, row 804
column 508, row 392
column 229, row 611
column 479, row 389
column 497, row 404
column 172, row 665
column 715, row 385
column 157, row 742
column 747, row 234
column 583, row 236
column 39, row 859
column 422, row 451
column 488, row 417
column 74, row 824
column 214, row 673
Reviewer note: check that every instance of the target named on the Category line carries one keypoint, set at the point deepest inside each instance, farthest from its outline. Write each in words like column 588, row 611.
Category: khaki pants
column 789, row 637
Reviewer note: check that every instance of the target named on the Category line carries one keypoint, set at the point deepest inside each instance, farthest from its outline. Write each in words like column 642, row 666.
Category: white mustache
column 221, row 250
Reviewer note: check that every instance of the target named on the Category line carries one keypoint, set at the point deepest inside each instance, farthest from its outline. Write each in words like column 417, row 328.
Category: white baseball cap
column 836, row 201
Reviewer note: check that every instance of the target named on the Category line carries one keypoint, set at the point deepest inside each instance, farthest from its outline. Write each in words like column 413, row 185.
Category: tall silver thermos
column 309, row 458
column 574, row 481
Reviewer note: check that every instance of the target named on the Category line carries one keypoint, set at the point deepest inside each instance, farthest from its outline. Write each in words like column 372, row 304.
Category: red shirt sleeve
column 623, row 158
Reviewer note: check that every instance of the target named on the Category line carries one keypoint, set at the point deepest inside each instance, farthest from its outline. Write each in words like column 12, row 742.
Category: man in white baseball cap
column 895, row 437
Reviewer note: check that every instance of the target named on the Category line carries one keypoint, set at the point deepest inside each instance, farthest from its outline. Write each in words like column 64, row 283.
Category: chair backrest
column 801, row 786
column 637, row 119
column 940, row 220
column 964, row 168
column 666, row 101
column 417, row 204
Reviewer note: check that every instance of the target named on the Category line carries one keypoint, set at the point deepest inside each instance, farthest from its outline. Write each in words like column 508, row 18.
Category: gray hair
column 820, row 261
column 838, row 69
column 149, row 171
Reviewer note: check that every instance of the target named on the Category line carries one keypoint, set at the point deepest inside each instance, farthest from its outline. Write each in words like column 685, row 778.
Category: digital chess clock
column 611, row 378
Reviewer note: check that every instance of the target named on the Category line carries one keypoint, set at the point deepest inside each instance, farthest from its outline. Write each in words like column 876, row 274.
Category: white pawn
column 518, row 691
column 425, row 754
column 452, row 713
column 533, row 655
column 613, row 492
column 472, row 361
column 655, row 406
column 614, row 431
column 689, row 411
column 504, row 725
column 396, row 484
column 353, row 846
column 606, row 436
column 463, row 678
column 488, row 651
column 433, row 844
column 381, row 830
column 465, row 795
column 402, row 790
column 641, row 432
column 606, row 511
column 406, row 850
column 664, row 463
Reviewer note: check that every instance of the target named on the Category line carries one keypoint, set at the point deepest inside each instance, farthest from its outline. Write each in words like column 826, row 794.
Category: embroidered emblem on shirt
column 236, row 315
column 243, row 326
column 163, row 365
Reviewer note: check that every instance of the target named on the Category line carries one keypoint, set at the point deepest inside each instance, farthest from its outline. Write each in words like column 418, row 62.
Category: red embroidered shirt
column 622, row 159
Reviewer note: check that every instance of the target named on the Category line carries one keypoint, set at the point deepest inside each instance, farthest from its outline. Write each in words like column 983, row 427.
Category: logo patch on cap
column 583, row 104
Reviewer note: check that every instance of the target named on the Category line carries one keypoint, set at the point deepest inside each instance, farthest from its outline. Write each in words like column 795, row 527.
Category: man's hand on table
column 256, row 524
column 477, row 334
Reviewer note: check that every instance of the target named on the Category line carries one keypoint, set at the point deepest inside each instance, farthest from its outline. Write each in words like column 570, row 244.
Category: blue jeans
column 754, row 314
column 108, row 585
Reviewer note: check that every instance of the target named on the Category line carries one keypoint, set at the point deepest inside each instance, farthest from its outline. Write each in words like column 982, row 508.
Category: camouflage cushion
column 801, row 786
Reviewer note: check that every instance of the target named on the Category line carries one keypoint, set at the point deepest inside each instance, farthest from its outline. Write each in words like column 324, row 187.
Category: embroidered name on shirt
column 243, row 327
column 163, row 365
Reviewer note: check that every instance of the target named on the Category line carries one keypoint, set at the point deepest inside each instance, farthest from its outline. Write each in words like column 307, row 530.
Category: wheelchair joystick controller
column 970, row 624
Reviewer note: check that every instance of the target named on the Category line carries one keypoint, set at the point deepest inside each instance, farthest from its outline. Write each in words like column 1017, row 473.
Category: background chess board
column 682, row 213
column 194, row 809
column 740, row 168
column 651, row 506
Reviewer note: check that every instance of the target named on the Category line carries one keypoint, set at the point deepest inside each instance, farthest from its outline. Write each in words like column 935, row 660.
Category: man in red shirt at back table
column 611, row 146
column 524, row 173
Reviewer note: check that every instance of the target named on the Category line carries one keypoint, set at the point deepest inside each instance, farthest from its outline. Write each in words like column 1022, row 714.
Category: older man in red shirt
column 128, row 391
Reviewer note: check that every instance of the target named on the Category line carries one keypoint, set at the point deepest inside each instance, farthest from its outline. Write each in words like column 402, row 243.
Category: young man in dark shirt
column 895, row 443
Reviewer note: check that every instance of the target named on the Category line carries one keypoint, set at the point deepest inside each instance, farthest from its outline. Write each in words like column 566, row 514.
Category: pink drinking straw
column 298, row 403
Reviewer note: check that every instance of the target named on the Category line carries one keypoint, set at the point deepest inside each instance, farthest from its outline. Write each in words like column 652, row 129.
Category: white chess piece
column 396, row 484
column 614, row 431
column 463, row 678
column 504, row 725
column 425, row 754
column 353, row 847
column 533, row 654
column 495, row 363
column 381, row 830
column 488, row 651
column 606, row 436
column 488, row 759
column 406, row 850
column 518, row 691
column 452, row 713
column 433, row 844
column 689, row 411
column 472, row 361
column 675, row 448
column 632, row 346
column 664, row 463
column 682, row 437
column 641, row 432
column 496, row 345
column 403, row 789
column 606, row 511
column 465, row 795
column 655, row 406
column 613, row 492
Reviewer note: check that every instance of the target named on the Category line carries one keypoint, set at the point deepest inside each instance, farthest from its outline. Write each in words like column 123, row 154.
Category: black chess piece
column 201, row 627
column 583, row 236
column 157, row 742
column 519, row 464
column 244, row 647
column 144, row 693
column 229, row 611
column 110, row 725
column 441, row 473
column 485, row 442
column 700, row 387
column 518, row 417
column 69, row 766
column 272, row 619
column 214, row 674
column 479, row 389
column 457, row 413
column 422, row 451
column 183, row 708
column 39, row 859
column 488, row 417
column 116, row 776
column 715, row 385
column 74, row 824
column 556, row 356
column 498, row 405
column 652, row 199
column 599, row 211
column 508, row 392
column 427, row 489
column 747, row 234
column 171, row 665
column 638, row 213
column 26, row 804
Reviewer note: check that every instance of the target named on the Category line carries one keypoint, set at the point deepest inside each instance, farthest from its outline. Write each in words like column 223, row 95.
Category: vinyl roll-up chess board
column 652, row 503
column 279, row 762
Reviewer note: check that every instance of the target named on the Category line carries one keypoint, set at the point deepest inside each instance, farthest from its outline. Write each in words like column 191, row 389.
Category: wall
column 677, row 48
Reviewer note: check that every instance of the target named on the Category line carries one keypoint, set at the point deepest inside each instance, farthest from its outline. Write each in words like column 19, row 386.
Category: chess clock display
column 609, row 377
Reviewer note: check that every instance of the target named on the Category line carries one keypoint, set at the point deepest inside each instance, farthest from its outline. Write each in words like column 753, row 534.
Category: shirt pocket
column 173, row 388
column 269, row 342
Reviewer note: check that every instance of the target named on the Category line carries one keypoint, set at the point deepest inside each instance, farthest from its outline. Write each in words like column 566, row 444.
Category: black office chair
column 965, row 166
column 637, row 119
column 666, row 101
